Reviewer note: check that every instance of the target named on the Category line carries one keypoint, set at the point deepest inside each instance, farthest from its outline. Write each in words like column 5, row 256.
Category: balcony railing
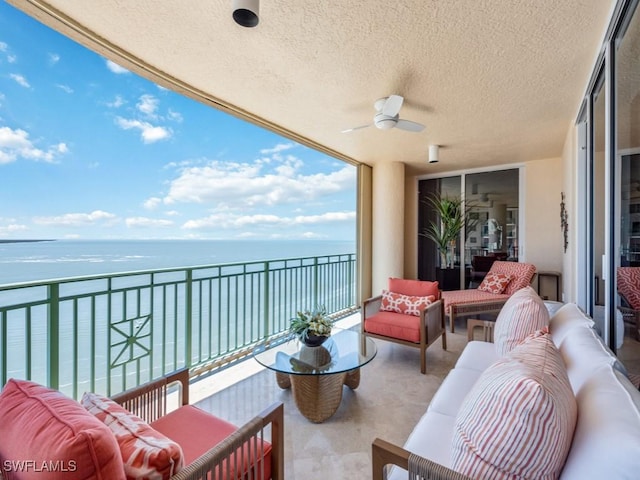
column 107, row 333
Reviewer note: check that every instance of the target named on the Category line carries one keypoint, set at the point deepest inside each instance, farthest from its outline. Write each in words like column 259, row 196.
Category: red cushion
column 394, row 325
column 629, row 285
column 43, row 426
column 197, row 431
column 414, row 288
column 146, row 453
column 521, row 274
column 405, row 304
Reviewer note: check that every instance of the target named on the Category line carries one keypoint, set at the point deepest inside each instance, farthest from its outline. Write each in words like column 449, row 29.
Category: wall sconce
column 434, row 153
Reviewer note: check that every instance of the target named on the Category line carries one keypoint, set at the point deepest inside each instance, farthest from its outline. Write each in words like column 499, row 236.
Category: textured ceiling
column 494, row 81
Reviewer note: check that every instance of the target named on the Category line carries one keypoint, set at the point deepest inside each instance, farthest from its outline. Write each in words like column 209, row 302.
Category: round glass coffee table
column 316, row 374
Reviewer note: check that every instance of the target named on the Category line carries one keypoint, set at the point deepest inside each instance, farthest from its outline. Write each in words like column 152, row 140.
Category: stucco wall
column 542, row 233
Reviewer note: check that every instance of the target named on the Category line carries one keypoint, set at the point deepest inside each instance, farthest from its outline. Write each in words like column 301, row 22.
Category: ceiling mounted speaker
column 246, row 12
column 434, row 153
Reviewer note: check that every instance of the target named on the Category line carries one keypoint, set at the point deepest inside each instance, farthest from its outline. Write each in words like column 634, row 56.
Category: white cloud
column 228, row 220
column 77, row 219
column 148, row 105
column 115, row 68
column 148, row 132
column 65, row 88
column 12, row 58
column 117, row 102
column 54, row 58
column 147, row 222
column 20, row 80
column 278, row 148
column 15, row 144
column 3, row 47
column 175, row 116
column 12, row 228
column 152, row 203
column 251, row 184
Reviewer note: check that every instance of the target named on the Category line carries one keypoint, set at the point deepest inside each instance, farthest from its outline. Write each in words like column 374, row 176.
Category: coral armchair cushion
column 414, row 288
column 629, row 285
column 198, row 431
column 146, row 453
column 44, row 426
column 521, row 274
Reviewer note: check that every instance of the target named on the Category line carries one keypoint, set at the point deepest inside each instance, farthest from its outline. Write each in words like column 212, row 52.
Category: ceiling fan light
column 384, row 122
column 434, row 153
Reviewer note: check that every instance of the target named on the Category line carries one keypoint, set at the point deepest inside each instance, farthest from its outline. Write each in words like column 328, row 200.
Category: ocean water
column 33, row 261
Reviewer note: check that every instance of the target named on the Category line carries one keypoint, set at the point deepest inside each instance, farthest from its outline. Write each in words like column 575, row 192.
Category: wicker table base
column 318, row 396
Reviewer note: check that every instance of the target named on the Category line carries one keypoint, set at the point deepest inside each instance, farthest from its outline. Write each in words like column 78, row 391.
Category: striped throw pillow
column 522, row 314
column 518, row 419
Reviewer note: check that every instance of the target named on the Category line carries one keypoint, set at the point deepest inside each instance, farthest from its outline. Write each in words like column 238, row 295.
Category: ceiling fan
column 387, row 116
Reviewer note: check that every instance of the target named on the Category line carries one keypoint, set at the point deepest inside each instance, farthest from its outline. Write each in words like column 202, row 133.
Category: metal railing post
column 266, row 299
column 53, row 345
column 316, row 287
column 188, row 320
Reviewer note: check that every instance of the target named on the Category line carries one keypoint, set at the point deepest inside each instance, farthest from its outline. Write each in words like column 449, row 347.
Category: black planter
column 448, row 278
column 314, row 340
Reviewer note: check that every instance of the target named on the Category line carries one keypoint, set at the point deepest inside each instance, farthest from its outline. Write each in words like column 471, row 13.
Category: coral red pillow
column 405, row 304
column 146, row 453
column 414, row 288
column 495, row 282
column 41, row 425
column 518, row 419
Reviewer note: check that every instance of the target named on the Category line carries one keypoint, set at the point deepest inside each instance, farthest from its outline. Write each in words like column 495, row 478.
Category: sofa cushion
column 45, row 426
column 414, row 288
column 494, row 282
column 198, row 431
column 405, row 304
column 523, row 314
column 606, row 443
column 394, row 325
column 565, row 319
column 518, row 420
column 430, row 438
column 146, row 453
column 478, row 355
column 453, row 390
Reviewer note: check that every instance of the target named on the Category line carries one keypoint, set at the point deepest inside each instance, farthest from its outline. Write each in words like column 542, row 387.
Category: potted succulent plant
column 312, row 327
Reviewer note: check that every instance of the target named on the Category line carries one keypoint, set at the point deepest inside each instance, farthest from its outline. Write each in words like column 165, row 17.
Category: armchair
column 490, row 295
column 410, row 313
column 628, row 279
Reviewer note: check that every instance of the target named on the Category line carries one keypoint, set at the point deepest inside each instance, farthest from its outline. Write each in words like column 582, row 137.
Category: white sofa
column 606, row 440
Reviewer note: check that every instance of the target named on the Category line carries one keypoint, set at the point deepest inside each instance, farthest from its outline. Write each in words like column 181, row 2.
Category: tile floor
column 392, row 396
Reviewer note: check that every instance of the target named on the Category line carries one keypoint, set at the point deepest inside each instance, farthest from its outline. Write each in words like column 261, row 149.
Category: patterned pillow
column 518, row 419
column 146, row 453
column 522, row 314
column 495, row 282
column 629, row 285
column 405, row 304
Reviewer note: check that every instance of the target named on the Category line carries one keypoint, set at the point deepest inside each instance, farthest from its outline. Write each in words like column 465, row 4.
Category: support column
column 388, row 223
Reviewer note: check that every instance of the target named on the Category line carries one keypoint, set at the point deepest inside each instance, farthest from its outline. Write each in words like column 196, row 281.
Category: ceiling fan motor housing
column 384, row 122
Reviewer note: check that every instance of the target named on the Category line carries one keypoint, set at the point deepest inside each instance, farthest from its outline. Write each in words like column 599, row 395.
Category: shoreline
column 26, row 240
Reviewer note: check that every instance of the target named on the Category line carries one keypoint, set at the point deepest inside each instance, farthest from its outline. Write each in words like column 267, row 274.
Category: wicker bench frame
column 149, row 402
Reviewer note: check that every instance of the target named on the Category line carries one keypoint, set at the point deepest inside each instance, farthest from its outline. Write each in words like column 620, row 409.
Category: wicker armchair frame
column 149, row 402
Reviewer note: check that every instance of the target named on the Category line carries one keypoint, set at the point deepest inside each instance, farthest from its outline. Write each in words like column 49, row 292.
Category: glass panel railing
column 108, row 333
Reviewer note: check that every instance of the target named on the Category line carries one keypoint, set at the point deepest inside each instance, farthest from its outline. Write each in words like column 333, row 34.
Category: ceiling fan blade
column 392, row 106
column 409, row 126
column 356, row 128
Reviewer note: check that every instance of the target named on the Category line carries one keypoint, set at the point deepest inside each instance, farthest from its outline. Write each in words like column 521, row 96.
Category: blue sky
column 89, row 150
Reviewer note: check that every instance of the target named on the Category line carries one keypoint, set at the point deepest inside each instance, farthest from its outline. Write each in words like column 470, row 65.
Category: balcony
column 105, row 333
